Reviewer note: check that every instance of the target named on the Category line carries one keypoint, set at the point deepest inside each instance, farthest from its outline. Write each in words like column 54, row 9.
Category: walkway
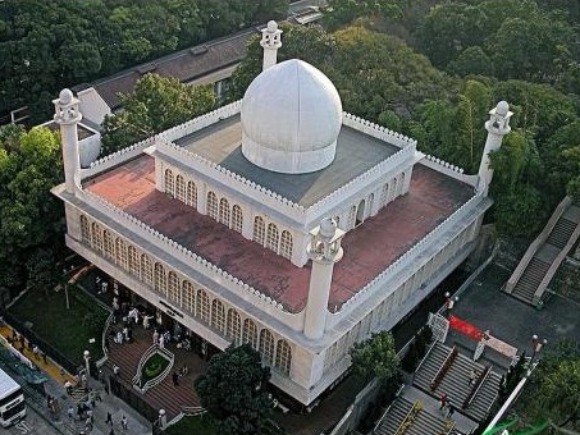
column 165, row 395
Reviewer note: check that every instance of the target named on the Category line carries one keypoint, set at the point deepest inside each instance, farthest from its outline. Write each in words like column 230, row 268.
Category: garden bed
column 153, row 367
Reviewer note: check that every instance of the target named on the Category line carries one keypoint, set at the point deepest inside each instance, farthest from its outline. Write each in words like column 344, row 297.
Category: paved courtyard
column 513, row 321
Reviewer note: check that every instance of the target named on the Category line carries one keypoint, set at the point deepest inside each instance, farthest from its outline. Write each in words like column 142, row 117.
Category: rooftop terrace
column 356, row 153
column 369, row 249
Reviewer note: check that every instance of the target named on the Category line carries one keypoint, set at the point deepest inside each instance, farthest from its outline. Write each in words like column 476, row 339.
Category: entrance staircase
column 532, row 276
column 474, row 401
column 411, row 419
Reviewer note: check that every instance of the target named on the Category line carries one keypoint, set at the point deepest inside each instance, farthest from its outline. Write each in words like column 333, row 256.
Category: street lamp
column 87, row 357
column 449, row 303
column 537, row 346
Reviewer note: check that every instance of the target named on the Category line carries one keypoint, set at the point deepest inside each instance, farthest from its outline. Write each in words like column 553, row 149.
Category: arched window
column 169, row 183
column 259, row 230
column 134, row 261
column 250, row 334
column 272, row 242
column 218, row 315
column 180, row 188
column 121, row 253
column 225, row 212
column 85, row 230
column 237, row 218
column 160, row 279
column 212, row 206
column 385, row 195
column 283, row 356
column 351, row 218
column 266, row 347
column 188, row 296
column 286, row 245
column 234, row 327
column 173, row 287
column 191, row 198
column 109, row 244
column 146, row 270
column 202, row 306
column 97, row 234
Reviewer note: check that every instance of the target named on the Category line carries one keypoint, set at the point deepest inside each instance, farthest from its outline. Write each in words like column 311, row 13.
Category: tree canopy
column 157, row 104
column 48, row 45
column 234, row 391
column 31, row 219
column 376, row 357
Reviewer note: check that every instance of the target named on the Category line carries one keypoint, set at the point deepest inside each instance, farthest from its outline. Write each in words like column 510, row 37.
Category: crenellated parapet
column 377, row 131
column 410, row 256
column 116, row 158
column 178, row 251
column 202, row 121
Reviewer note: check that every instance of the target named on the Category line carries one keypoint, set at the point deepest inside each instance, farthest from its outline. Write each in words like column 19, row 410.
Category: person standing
column 443, row 400
column 124, row 423
column 472, row 377
column 109, row 419
column 175, row 378
column 155, row 337
column 71, row 412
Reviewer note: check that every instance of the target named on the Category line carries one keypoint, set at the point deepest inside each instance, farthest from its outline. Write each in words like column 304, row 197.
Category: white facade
column 308, row 350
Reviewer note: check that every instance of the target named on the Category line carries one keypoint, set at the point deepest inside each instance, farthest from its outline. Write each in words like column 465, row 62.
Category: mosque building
column 278, row 220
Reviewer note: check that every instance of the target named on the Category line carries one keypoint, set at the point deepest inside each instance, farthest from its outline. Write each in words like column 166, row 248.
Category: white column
column 67, row 115
column 497, row 126
column 324, row 250
column 270, row 42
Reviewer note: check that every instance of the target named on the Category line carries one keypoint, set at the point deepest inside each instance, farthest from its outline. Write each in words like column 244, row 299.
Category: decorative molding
column 408, row 257
column 377, row 131
column 175, row 249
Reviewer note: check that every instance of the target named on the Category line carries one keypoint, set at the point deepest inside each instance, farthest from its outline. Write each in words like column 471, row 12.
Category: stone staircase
column 422, row 422
column 164, row 395
column 561, row 232
column 455, row 382
column 530, row 280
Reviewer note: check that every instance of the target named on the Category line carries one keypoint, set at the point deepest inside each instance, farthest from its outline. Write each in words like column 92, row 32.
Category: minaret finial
column 324, row 250
column 67, row 115
column 497, row 126
column 271, row 42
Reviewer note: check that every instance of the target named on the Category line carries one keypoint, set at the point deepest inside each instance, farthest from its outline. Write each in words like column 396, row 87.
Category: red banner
column 465, row 328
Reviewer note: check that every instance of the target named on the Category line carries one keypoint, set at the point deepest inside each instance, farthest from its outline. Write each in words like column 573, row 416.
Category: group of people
column 18, row 340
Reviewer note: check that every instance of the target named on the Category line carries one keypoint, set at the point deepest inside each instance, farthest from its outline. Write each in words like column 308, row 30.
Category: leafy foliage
column 50, row 44
column 31, row 219
column 233, row 390
column 158, row 103
column 376, row 357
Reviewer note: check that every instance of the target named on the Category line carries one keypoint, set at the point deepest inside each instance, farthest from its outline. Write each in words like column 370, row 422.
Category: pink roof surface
column 368, row 249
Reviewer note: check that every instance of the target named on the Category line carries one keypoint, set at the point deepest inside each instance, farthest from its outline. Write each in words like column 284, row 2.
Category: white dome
column 291, row 118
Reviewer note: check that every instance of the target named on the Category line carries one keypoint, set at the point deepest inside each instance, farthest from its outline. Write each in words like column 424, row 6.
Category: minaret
column 497, row 126
column 324, row 250
column 270, row 42
column 67, row 115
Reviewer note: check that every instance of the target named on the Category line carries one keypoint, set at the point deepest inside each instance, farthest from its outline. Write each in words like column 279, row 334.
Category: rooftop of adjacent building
column 369, row 249
column 186, row 65
column 356, row 153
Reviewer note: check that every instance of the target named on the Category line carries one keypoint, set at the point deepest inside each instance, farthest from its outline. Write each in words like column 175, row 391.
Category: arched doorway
column 360, row 213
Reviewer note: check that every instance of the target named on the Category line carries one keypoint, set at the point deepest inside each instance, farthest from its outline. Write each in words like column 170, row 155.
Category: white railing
column 116, row 158
column 405, row 259
column 180, row 252
column 151, row 350
column 376, row 131
column 157, row 379
column 103, row 360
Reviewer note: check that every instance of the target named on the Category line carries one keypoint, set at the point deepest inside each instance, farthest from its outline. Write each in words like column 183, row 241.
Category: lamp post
column 449, row 303
column 87, row 357
column 537, row 346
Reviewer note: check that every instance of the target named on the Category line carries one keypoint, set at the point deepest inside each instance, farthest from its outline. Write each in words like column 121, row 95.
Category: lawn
column 153, row 367
column 68, row 330
column 192, row 425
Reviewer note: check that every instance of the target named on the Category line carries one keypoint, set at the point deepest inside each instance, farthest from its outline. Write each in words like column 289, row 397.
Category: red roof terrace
column 368, row 250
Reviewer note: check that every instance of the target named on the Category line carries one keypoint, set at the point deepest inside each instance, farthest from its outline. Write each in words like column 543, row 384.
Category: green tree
column 234, row 391
column 157, row 104
column 376, row 357
column 472, row 60
column 31, row 219
column 341, row 12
